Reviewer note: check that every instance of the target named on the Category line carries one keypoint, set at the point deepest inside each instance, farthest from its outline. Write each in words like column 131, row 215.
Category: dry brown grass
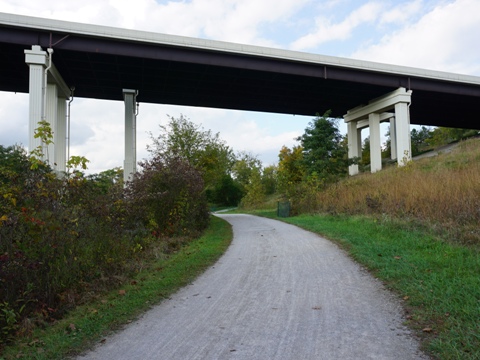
column 442, row 192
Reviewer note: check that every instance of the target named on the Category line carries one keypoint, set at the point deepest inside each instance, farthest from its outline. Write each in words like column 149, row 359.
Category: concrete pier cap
column 48, row 94
column 371, row 115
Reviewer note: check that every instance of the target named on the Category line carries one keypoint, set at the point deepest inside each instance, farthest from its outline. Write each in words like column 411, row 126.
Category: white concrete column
column 400, row 130
column 56, row 111
column 51, row 118
column 353, row 146
column 130, row 163
column 48, row 102
column 359, row 142
column 375, row 145
column 60, row 135
column 393, row 139
column 36, row 60
column 402, row 122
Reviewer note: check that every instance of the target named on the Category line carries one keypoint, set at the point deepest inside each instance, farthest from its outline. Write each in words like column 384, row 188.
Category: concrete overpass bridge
column 117, row 64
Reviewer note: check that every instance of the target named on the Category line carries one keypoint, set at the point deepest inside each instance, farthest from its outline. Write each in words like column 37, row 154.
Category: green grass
column 438, row 282
column 89, row 323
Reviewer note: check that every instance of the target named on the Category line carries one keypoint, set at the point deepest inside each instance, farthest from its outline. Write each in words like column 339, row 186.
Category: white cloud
column 229, row 20
column 401, row 13
column 13, row 119
column 90, row 11
column 241, row 24
column 443, row 39
column 242, row 131
column 327, row 31
column 234, row 21
column 249, row 135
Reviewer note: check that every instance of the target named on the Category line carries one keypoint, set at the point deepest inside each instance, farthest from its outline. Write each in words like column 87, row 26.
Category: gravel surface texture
column 279, row 292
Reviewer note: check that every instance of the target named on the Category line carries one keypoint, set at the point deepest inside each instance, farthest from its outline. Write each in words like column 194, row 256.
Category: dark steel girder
column 100, row 67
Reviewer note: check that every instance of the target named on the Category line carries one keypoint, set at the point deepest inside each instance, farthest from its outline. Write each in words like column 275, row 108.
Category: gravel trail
column 279, row 292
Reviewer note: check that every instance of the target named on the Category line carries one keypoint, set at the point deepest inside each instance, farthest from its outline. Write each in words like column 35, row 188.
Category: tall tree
column 228, row 192
column 366, row 151
column 442, row 136
column 245, row 165
column 387, row 146
column 324, row 154
column 290, row 167
column 201, row 148
column 254, row 190
column 247, row 173
column 270, row 179
column 419, row 139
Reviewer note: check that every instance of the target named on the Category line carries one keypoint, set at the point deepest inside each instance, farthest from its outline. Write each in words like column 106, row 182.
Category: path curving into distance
column 279, row 292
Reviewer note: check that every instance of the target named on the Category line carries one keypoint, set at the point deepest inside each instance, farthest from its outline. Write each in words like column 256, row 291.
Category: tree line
column 320, row 158
column 240, row 179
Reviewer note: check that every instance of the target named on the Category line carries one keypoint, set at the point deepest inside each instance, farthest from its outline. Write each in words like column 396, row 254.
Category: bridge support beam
column 354, row 144
column 48, row 94
column 375, row 145
column 130, row 163
column 402, row 134
column 375, row 112
column 393, row 139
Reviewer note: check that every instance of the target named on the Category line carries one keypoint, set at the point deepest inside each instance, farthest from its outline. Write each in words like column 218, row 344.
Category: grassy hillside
column 441, row 192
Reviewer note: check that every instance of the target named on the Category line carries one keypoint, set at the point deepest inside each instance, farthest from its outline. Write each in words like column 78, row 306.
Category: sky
column 431, row 34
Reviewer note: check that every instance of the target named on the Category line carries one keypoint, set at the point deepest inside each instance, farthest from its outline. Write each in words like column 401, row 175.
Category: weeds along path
column 279, row 292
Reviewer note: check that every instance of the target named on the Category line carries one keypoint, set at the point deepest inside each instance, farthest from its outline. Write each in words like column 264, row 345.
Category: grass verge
column 89, row 323
column 438, row 282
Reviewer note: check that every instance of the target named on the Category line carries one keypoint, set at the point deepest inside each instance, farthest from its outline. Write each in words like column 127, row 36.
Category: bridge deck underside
column 100, row 68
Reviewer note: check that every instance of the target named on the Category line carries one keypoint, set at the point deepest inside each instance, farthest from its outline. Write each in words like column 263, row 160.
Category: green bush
column 227, row 193
column 167, row 197
column 62, row 235
column 55, row 234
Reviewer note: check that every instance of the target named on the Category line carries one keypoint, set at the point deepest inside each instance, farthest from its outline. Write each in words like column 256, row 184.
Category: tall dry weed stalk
column 443, row 191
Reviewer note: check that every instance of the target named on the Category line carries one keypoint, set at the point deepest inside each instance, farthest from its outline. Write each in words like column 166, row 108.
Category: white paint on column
column 375, row 145
column 60, row 135
column 393, row 139
column 36, row 60
column 130, row 163
column 353, row 146
column 48, row 102
column 402, row 121
column 51, row 118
